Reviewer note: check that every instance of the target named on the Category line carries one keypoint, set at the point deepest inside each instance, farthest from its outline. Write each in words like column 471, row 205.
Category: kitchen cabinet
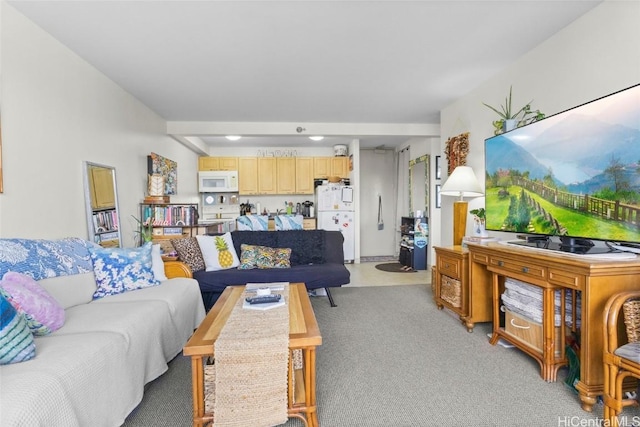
column 267, row 175
column 321, row 167
column 307, row 224
column 304, row 175
column 340, row 167
column 324, row 167
column 217, row 163
column 286, row 175
column 247, row 175
column 101, row 188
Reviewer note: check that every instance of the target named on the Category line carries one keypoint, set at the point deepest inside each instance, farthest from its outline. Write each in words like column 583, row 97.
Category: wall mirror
column 419, row 186
column 101, row 199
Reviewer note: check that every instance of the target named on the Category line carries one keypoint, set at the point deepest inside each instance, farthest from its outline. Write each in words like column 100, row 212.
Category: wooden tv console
column 597, row 279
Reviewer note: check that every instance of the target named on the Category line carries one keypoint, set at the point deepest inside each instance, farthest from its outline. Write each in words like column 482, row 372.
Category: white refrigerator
column 335, row 211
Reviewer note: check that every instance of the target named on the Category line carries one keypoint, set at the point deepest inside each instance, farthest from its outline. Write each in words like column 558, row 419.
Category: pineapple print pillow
column 218, row 252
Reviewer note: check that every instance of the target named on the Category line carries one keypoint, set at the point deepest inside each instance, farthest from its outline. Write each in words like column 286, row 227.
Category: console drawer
column 449, row 266
column 566, row 278
column 524, row 270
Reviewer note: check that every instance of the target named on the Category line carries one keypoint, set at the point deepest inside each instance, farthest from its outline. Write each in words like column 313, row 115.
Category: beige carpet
column 390, row 358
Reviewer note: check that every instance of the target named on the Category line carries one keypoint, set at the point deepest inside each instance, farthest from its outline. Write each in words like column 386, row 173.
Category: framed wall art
column 156, row 164
column 438, row 168
column 456, row 150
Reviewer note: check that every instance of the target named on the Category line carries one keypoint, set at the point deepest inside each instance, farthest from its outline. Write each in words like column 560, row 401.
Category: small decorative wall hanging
column 167, row 168
column 456, row 151
column 156, row 185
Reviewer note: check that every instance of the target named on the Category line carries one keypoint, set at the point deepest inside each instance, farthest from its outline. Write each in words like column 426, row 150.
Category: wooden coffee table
column 304, row 335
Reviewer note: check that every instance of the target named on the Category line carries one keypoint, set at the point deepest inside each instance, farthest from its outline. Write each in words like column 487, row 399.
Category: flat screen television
column 575, row 175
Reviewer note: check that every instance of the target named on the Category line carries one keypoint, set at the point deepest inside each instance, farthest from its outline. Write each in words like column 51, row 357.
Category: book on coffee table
column 272, row 286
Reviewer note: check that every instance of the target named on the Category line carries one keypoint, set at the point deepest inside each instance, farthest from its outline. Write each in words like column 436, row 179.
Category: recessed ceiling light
column 316, row 138
column 233, row 137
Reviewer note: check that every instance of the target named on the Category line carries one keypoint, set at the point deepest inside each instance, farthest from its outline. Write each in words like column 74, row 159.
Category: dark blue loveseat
column 317, row 260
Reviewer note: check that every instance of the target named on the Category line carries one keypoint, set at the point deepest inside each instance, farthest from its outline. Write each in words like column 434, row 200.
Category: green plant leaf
column 523, row 116
column 501, row 114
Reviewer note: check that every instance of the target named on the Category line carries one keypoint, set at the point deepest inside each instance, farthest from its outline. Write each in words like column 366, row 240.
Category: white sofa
column 92, row 371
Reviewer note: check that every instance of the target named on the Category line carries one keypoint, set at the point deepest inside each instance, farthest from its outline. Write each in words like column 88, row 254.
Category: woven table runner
column 251, row 367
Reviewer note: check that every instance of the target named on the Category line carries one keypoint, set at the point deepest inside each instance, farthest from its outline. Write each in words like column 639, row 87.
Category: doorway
column 377, row 178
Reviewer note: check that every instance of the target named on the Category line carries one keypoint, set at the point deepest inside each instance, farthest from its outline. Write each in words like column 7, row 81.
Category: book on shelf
column 105, row 237
column 173, row 231
column 172, row 215
column 105, row 220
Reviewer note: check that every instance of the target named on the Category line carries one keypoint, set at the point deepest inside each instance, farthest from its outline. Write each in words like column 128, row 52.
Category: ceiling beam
column 193, row 143
column 196, row 128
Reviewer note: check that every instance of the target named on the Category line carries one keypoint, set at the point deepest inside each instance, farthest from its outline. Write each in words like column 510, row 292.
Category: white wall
column 58, row 111
column 596, row 55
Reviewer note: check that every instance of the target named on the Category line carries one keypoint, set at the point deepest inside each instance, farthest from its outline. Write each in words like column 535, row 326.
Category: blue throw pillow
column 289, row 222
column 253, row 222
column 16, row 340
column 45, row 258
column 118, row 270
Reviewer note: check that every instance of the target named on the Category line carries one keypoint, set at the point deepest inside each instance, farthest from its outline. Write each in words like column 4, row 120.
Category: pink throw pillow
column 43, row 313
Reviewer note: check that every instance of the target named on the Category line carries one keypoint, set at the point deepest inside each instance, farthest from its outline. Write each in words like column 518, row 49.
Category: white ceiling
column 348, row 68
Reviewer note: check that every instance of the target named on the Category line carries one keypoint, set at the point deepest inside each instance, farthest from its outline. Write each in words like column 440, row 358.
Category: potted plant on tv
column 511, row 118
column 479, row 218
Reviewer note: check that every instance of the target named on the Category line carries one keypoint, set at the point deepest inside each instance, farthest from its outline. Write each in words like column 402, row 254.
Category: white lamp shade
column 462, row 183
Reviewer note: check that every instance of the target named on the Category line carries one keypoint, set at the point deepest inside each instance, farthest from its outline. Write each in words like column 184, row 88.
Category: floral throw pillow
column 45, row 258
column 16, row 340
column 41, row 311
column 189, row 253
column 253, row 256
column 119, row 270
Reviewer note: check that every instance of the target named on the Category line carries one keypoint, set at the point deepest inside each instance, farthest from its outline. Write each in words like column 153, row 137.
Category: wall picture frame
column 456, row 151
column 438, row 196
column 157, row 164
column 438, row 168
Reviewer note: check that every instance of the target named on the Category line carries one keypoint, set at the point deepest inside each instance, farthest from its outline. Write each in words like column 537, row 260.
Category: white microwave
column 218, row 181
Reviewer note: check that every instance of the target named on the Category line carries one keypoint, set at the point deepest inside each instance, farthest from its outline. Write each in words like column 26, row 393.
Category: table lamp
column 461, row 183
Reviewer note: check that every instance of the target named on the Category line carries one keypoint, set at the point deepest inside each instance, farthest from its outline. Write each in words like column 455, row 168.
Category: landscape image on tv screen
column 574, row 174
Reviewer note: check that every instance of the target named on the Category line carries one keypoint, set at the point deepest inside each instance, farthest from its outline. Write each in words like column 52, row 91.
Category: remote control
column 264, row 299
